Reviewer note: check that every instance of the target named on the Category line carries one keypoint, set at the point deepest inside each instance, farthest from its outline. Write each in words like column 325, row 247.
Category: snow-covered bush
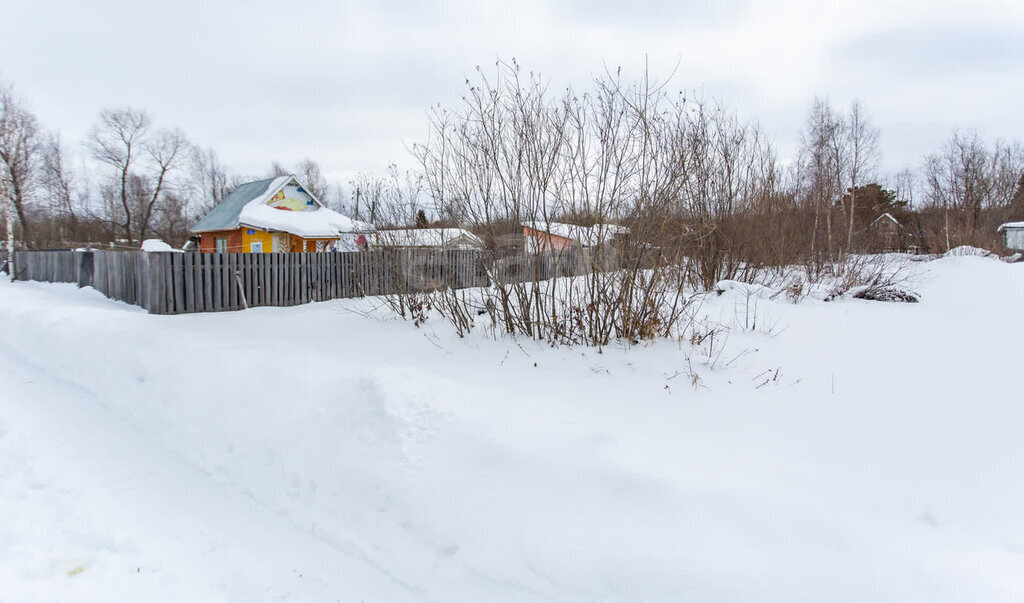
column 877, row 278
column 883, row 292
column 969, row 251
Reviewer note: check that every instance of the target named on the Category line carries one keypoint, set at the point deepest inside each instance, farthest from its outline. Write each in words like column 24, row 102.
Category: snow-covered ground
column 842, row 451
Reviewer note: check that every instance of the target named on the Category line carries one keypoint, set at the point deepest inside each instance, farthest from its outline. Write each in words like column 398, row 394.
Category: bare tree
column 822, row 153
column 60, row 187
column 863, row 159
column 141, row 162
column 1016, row 208
column 1008, row 174
column 277, row 170
column 57, row 179
column 171, row 220
column 20, row 147
column 165, row 152
column 904, row 184
column 209, row 180
column 367, row 196
column 838, row 146
column 515, row 158
column 337, row 197
column 117, row 142
column 389, row 201
column 401, row 197
column 959, row 179
column 311, row 174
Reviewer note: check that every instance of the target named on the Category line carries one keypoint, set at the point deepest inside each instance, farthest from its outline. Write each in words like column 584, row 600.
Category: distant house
column 540, row 237
column 277, row 215
column 429, row 238
column 886, row 232
column 1013, row 235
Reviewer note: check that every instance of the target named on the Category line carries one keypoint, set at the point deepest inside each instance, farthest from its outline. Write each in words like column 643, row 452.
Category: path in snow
column 90, row 504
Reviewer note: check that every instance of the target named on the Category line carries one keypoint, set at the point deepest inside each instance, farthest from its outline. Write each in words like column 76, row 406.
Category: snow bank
column 967, row 250
column 156, row 245
column 311, row 453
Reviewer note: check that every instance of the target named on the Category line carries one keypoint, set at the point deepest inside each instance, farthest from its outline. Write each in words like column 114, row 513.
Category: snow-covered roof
column 225, row 215
column 587, row 236
column 428, row 237
column 316, row 223
column 247, row 206
column 1003, row 227
column 887, row 216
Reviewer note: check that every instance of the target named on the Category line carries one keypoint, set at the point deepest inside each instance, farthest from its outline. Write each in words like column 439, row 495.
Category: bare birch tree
column 819, row 167
column 863, row 157
column 20, row 153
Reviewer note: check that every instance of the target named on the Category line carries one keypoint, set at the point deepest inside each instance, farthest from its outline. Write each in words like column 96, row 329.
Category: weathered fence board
column 176, row 283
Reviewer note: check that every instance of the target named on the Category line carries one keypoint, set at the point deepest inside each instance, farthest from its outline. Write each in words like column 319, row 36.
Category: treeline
column 703, row 193
column 692, row 178
column 134, row 179
column 687, row 175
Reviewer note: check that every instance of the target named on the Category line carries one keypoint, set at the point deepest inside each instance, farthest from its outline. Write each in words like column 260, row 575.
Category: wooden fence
column 176, row 283
column 530, row 267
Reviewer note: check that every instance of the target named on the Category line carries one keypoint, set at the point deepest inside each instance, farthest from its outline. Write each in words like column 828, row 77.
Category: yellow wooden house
column 277, row 215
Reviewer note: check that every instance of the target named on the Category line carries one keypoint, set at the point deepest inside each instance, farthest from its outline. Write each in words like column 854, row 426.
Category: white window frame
column 256, row 247
column 221, row 245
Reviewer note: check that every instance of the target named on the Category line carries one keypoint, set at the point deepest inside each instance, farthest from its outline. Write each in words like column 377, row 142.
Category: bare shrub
column 550, row 174
column 879, row 290
column 878, row 278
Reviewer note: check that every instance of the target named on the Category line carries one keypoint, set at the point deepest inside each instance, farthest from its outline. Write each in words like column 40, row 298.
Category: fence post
column 85, row 269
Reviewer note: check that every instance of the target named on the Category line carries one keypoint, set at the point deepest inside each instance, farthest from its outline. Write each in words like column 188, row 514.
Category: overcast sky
column 350, row 83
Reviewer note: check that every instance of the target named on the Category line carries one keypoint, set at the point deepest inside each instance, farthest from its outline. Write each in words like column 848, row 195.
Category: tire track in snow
column 144, row 497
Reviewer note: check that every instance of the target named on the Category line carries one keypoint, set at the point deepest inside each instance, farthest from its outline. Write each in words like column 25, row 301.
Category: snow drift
column 852, row 451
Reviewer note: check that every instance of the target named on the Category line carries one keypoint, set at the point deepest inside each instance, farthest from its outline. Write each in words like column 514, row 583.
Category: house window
column 222, row 245
column 256, row 247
